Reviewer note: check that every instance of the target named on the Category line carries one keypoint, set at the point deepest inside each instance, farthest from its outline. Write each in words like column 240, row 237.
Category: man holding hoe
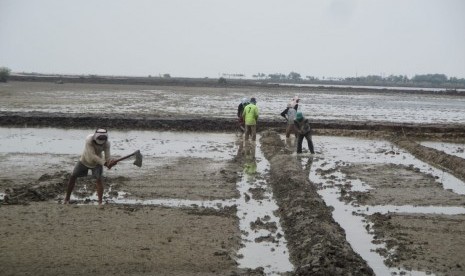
column 91, row 159
column 303, row 129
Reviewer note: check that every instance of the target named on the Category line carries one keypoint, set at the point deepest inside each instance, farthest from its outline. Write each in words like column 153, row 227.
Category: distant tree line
column 391, row 80
column 428, row 79
column 421, row 80
column 292, row 76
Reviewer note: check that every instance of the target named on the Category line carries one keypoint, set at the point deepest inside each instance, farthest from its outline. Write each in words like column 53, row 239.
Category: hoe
column 138, row 156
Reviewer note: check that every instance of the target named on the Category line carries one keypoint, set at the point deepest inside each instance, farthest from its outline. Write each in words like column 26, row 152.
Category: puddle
column 150, row 143
column 339, row 151
column 175, row 203
column 449, row 148
column 377, row 152
column 261, row 247
column 273, row 255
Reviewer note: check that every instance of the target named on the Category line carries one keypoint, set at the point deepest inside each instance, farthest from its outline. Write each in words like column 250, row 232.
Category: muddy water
column 64, row 141
column 334, row 152
column 263, row 241
column 254, row 211
column 223, row 102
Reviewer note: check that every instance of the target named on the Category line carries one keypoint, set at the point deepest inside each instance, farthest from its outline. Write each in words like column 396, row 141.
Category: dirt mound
column 45, row 188
column 317, row 244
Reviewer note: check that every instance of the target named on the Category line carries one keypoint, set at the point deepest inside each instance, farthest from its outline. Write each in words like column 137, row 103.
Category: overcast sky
column 206, row 38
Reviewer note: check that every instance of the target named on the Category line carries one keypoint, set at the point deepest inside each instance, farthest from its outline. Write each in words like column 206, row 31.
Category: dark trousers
column 300, row 139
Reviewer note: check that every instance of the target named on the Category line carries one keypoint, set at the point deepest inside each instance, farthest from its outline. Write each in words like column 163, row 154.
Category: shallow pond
column 223, row 102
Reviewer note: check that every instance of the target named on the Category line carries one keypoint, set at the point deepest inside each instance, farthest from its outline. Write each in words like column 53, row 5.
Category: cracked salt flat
column 272, row 256
column 335, row 151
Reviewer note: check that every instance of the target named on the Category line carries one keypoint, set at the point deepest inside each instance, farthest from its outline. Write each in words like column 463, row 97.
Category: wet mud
column 431, row 243
column 160, row 121
column 201, row 178
column 394, row 184
column 47, row 187
column 43, row 238
column 417, row 222
column 121, row 239
column 209, row 245
column 450, row 163
column 317, row 243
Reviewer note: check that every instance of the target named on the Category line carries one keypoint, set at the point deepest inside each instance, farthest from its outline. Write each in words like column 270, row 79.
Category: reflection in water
column 272, row 254
column 250, row 162
column 326, row 175
column 306, row 162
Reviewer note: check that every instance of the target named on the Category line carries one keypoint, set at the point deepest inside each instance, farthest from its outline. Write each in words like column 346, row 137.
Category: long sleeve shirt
column 92, row 154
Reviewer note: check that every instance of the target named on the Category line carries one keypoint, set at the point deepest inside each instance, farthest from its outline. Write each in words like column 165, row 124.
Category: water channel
column 333, row 151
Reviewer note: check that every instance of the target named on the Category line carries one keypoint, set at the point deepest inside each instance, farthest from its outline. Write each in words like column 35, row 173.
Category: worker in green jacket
column 250, row 115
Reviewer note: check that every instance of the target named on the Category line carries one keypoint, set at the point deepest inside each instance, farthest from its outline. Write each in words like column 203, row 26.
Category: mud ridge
column 190, row 123
column 317, row 244
column 453, row 164
column 45, row 188
column 214, row 82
